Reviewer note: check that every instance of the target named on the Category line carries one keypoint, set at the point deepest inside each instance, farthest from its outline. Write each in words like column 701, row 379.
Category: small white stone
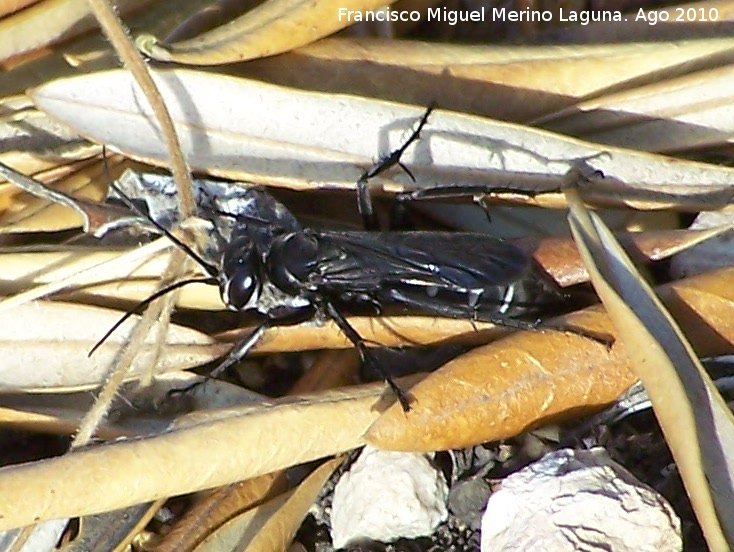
column 388, row 495
column 578, row 500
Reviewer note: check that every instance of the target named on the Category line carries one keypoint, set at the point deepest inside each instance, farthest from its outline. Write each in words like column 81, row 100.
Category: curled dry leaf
column 46, row 346
column 531, row 378
column 71, row 201
column 272, row 525
column 696, row 421
column 274, row 27
column 218, row 506
column 49, row 21
column 515, row 83
column 295, row 138
column 238, row 446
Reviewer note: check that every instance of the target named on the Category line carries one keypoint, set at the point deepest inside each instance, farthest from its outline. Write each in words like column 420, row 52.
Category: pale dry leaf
column 302, row 139
column 53, row 421
column 668, row 23
column 49, row 21
column 134, row 281
column 10, row 6
column 274, row 27
column 46, row 346
column 696, row 421
column 531, row 378
column 689, row 113
column 238, row 446
column 516, row 83
column 390, row 331
column 61, row 413
column 38, row 166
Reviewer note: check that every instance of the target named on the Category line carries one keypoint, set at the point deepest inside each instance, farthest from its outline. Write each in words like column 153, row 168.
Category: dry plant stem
column 120, row 39
column 177, row 267
column 160, row 311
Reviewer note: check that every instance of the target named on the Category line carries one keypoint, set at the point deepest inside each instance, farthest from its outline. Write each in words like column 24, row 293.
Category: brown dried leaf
column 271, row 526
column 37, row 210
column 560, row 258
column 218, row 506
column 531, row 378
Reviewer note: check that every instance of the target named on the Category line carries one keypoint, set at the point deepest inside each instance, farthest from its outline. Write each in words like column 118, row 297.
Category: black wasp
column 266, row 262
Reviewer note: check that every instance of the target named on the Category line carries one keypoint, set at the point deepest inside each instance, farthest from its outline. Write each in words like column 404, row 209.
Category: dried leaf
column 132, row 281
column 46, row 346
column 560, row 259
column 238, row 446
column 10, row 6
column 528, row 379
column 221, row 505
column 49, row 21
column 687, row 113
column 295, row 138
column 71, row 201
column 696, row 421
column 273, row 27
column 515, row 83
column 271, row 526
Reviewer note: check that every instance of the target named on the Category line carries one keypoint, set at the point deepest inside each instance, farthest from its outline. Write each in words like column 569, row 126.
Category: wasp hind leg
column 364, row 197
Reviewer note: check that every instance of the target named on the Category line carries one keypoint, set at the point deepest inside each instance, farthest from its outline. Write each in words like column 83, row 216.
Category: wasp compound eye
column 240, row 282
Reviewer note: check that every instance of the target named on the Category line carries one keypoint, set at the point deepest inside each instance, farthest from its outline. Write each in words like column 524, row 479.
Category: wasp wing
column 457, row 262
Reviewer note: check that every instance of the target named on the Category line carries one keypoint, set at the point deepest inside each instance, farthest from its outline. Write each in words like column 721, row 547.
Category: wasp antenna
column 209, row 268
column 137, row 309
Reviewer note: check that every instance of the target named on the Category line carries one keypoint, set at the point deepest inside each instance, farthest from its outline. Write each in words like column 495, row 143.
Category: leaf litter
column 530, row 156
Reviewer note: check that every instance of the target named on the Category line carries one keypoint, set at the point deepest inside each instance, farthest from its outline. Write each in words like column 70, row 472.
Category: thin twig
column 119, row 36
column 160, row 312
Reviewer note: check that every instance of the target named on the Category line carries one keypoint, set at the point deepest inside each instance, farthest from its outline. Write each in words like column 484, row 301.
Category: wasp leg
column 365, row 354
column 364, row 197
column 238, row 352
